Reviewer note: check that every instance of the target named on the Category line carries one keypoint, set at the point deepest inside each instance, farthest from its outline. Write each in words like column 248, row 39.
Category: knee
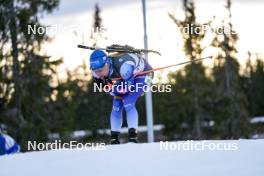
column 116, row 108
column 116, row 111
column 129, row 107
column 117, row 105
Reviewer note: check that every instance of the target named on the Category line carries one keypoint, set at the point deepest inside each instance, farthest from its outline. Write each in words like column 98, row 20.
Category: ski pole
column 162, row 68
column 168, row 66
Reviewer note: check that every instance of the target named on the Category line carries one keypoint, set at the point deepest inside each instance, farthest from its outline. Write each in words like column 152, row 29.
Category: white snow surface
column 141, row 160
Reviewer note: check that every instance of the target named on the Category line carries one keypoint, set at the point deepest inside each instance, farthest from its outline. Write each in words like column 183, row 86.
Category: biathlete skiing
column 124, row 67
column 124, row 71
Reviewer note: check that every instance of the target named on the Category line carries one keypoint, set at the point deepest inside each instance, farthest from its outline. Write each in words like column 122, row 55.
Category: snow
column 245, row 159
column 257, row 120
column 141, row 129
column 84, row 133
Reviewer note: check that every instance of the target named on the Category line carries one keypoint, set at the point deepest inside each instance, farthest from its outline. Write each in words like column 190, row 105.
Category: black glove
column 104, row 81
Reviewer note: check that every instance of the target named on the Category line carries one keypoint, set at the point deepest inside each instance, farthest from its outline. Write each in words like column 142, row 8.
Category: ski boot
column 132, row 135
column 115, row 137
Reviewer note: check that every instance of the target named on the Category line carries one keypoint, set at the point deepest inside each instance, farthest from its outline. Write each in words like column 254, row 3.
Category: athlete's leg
column 129, row 102
column 116, row 114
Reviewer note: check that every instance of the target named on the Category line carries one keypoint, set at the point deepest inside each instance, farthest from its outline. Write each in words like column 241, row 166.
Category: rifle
column 120, row 49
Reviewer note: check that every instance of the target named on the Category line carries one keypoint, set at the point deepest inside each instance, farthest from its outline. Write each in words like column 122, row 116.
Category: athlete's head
column 99, row 63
